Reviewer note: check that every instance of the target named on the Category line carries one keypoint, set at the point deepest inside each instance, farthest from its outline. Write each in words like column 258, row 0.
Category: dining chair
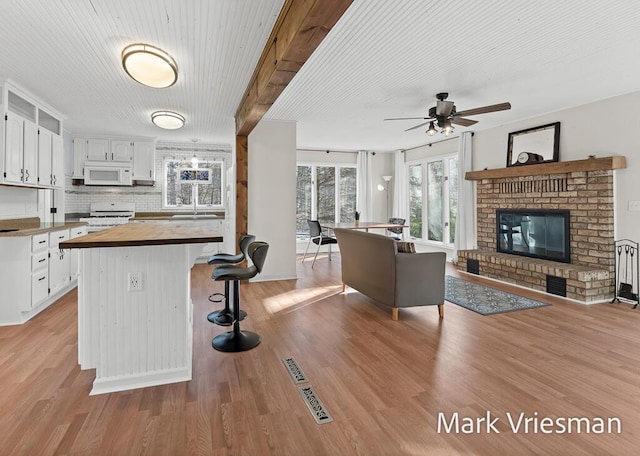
column 317, row 237
column 396, row 233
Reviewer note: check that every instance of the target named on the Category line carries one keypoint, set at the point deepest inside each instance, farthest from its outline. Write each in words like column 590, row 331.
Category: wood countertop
column 151, row 233
column 29, row 227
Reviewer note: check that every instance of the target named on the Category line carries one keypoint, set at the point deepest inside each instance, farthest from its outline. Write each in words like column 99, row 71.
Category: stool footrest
column 216, row 297
column 223, row 318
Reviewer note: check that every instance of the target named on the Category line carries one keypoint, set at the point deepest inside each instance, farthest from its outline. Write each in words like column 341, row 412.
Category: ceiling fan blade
column 408, row 118
column 463, row 122
column 418, row 126
column 484, row 109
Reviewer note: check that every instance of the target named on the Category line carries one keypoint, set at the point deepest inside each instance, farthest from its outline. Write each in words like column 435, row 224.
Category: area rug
column 485, row 300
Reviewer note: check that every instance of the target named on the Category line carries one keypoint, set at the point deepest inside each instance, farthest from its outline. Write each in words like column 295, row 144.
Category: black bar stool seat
column 224, row 317
column 238, row 340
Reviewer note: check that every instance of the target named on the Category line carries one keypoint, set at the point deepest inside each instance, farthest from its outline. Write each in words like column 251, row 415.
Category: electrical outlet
column 634, row 206
column 134, row 281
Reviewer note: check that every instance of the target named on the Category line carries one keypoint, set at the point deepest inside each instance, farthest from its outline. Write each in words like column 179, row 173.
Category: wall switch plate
column 134, row 281
column 634, row 206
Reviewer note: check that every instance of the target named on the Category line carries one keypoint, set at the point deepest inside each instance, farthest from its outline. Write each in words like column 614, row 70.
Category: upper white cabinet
column 98, row 149
column 79, row 156
column 45, row 152
column 25, row 156
column 140, row 152
column 144, row 153
column 121, row 151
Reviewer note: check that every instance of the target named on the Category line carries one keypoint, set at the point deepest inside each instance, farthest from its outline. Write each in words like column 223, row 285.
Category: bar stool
column 224, row 317
column 237, row 340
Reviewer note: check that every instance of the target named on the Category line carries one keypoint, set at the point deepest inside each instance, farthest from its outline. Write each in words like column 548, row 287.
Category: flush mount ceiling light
column 149, row 65
column 168, row 120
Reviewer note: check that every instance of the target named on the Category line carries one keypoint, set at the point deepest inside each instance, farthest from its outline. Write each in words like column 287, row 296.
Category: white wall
column 603, row 128
column 272, row 195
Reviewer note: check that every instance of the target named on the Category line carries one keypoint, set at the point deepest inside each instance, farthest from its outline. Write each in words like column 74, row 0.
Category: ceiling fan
column 444, row 115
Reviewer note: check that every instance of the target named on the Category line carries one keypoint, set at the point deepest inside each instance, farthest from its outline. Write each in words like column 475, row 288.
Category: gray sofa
column 372, row 265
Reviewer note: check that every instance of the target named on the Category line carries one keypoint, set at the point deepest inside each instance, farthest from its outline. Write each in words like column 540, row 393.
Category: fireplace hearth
column 534, row 233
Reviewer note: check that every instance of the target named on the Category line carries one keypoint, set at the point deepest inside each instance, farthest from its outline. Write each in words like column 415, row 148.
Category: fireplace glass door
column 534, row 233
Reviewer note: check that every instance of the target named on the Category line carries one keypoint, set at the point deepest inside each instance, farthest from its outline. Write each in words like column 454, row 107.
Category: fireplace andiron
column 627, row 272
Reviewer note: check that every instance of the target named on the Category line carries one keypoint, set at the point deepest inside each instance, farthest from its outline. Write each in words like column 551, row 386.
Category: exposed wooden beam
column 242, row 195
column 298, row 31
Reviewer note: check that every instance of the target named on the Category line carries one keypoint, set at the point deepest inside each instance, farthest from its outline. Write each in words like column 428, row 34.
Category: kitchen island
column 135, row 315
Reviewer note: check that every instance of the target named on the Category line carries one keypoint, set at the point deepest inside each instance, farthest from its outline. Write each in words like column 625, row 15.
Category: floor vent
column 315, row 405
column 294, row 370
column 473, row 266
column 557, row 286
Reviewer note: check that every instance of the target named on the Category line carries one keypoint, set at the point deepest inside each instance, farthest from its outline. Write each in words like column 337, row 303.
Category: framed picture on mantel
column 534, row 145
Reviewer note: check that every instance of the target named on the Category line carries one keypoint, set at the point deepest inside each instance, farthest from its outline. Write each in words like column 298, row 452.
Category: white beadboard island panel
column 136, row 339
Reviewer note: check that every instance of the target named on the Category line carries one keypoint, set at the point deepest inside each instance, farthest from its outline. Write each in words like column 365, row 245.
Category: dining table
column 359, row 226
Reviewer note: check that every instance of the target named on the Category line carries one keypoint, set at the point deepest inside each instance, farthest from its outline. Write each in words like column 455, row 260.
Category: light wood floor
column 384, row 382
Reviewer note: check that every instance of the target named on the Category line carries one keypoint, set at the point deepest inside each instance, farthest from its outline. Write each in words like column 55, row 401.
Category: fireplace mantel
column 590, row 164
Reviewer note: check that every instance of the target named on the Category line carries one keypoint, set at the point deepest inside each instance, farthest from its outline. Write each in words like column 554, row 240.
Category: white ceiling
column 383, row 59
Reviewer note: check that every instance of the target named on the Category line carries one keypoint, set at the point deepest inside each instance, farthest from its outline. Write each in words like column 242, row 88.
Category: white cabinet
column 74, row 254
column 50, row 159
column 25, row 156
column 121, row 151
column 59, row 262
column 30, row 160
column 14, row 148
column 140, row 152
column 21, row 148
column 39, row 271
column 79, row 156
column 34, row 272
column 104, row 149
column 45, row 141
column 144, row 160
column 57, row 162
column 98, row 149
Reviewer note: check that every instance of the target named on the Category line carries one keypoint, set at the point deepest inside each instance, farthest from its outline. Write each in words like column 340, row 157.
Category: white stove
column 108, row 215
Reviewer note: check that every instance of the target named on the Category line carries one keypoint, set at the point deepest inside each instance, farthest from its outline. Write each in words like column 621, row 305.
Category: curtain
column 466, row 218
column 364, row 203
column 400, row 190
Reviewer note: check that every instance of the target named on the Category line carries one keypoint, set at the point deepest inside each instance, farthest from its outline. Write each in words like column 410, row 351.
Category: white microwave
column 107, row 173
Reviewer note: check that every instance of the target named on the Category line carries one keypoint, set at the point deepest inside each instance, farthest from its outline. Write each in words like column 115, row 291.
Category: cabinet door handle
column 112, row 156
column 149, row 173
column 42, row 260
column 41, row 242
column 42, row 278
column 106, row 157
column 26, row 171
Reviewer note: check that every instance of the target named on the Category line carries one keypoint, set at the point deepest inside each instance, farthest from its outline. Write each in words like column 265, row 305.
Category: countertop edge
column 71, row 244
column 31, row 231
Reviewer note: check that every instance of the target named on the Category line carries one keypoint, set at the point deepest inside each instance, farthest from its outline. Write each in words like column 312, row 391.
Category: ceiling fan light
column 149, row 65
column 168, row 120
column 432, row 129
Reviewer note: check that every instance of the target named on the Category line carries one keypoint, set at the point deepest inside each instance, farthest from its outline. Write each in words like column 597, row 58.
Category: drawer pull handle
column 61, row 237
column 41, row 242
column 42, row 278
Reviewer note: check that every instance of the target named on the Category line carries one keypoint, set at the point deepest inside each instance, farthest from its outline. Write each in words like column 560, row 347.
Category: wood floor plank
column 386, row 383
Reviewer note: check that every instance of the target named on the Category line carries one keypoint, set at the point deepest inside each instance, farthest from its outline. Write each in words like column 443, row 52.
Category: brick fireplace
column 585, row 189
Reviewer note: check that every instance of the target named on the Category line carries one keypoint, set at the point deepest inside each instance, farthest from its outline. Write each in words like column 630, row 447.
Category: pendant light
column 194, row 159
